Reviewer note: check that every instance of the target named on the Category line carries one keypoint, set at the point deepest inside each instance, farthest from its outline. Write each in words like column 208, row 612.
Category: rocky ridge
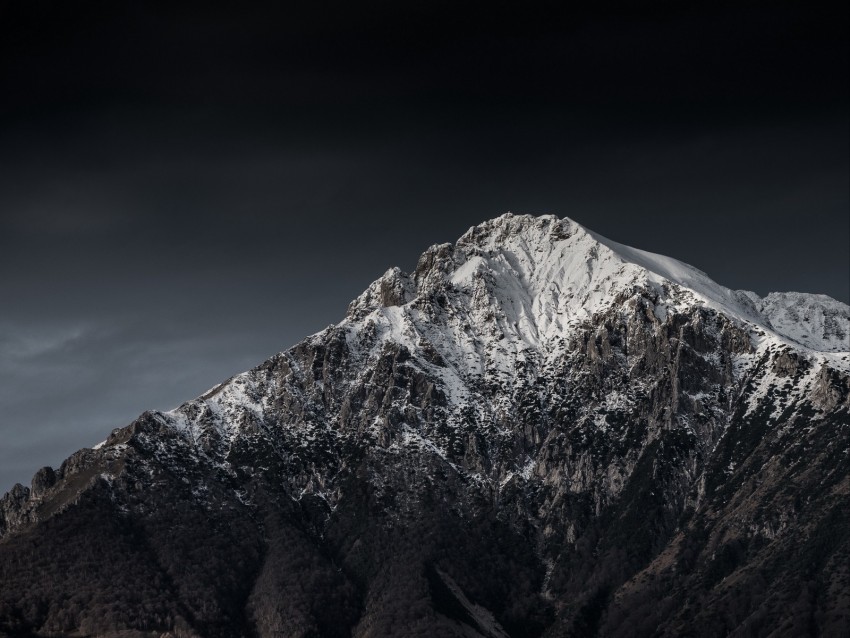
column 536, row 432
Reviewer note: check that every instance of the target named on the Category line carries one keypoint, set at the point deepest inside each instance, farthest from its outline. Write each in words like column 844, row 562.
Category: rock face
column 538, row 432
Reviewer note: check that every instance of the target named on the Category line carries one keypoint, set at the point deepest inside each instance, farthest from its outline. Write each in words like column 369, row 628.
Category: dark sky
column 187, row 190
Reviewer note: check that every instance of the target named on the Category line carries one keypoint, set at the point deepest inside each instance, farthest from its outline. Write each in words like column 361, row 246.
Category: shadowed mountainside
column 538, row 432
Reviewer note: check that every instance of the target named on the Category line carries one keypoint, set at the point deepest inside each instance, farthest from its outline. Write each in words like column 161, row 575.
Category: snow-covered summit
column 531, row 278
column 513, row 294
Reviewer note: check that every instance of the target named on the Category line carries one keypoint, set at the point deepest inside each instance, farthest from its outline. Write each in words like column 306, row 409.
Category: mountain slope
column 538, row 431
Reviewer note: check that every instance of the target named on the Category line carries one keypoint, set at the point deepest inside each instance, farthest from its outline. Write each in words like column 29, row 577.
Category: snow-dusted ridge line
column 517, row 286
column 745, row 306
column 550, row 273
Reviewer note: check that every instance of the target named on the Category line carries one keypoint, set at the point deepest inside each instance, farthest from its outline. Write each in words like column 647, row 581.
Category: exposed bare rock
column 537, row 432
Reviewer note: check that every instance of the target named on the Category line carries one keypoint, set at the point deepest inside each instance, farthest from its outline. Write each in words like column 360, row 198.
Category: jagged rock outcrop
column 536, row 432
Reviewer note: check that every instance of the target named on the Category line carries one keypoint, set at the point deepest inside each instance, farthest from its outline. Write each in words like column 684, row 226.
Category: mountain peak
column 541, row 274
column 532, row 404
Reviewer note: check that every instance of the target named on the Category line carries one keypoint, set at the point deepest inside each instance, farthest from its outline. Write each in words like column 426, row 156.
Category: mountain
column 537, row 432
